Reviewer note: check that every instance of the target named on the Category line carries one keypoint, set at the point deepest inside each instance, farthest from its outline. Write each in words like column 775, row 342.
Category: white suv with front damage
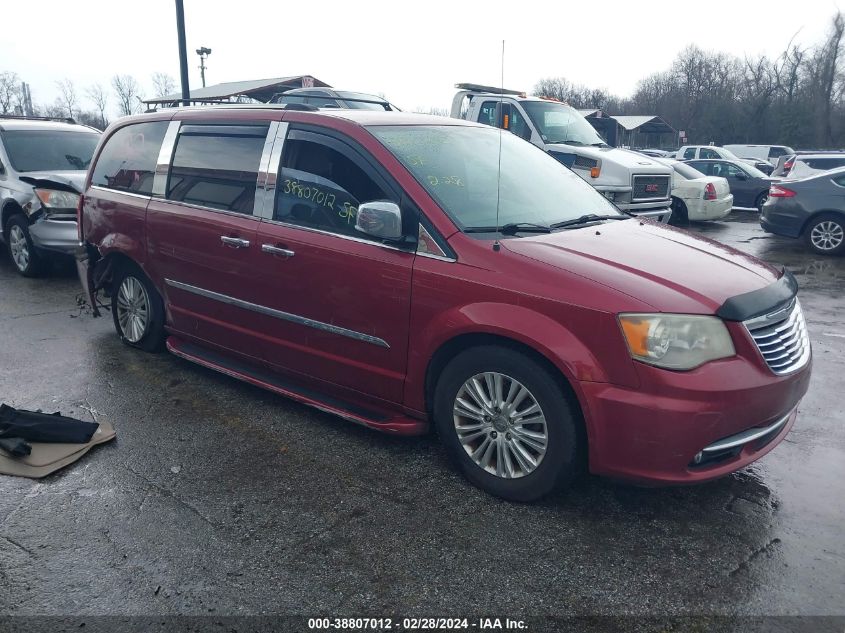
column 43, row 163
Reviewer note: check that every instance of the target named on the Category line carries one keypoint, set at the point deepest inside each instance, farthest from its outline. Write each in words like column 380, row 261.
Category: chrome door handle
column 235, row 242
column 275, row 250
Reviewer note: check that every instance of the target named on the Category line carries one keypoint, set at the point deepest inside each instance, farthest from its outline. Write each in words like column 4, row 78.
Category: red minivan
column 404, row 270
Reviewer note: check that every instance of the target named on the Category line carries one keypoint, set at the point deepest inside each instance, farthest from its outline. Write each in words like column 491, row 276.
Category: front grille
column 650, row 187
column 782, row 339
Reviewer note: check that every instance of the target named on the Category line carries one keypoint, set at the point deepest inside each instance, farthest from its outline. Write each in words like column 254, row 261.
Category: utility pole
column 183, row 51
column 203, row 53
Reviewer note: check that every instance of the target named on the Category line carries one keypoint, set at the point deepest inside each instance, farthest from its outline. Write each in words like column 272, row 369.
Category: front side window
column 689, row 153
column 708, row 153
column 777, row 151
column 215, row 168
column 560, row 123
column 128, row 160
column 459, row 167
column 320, row 186
column 49, row 150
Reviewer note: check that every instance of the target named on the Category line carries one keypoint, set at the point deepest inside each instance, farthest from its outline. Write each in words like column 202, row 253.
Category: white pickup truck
column 633, row 181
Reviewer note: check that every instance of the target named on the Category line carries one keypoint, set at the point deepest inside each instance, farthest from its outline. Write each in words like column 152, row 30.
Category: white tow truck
column 632, row 181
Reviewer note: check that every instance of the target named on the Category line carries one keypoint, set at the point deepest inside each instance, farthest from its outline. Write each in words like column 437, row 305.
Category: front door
column 202, row 235
column 339, row 301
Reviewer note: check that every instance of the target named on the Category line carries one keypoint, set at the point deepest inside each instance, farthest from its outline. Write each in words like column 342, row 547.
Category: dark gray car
column 812, row 208
column 749, row 185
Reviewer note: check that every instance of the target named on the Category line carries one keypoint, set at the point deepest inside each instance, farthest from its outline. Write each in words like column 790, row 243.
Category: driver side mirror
column 740, row 175
column 380, row 219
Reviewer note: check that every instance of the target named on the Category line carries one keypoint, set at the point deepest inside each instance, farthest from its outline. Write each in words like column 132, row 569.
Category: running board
column 395, row 424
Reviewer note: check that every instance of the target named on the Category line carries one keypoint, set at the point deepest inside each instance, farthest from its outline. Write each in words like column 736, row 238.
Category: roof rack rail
column 23, row 117
column 491, row 89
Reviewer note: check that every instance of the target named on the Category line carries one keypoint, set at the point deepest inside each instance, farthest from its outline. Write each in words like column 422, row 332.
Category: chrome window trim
column 165, row 156
column 284, row 316
column 441, row 258
column 200, row 207
column 273, row 165
column 351, row 238
column 120, row 191
column 263, row 170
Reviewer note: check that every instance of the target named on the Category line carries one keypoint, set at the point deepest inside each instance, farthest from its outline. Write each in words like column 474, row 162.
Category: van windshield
column 459, row 167
column 49, row 150
column 560, row 123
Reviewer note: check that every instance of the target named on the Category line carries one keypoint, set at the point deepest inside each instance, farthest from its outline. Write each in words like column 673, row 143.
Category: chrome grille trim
column 640, row 182
column 781, row 338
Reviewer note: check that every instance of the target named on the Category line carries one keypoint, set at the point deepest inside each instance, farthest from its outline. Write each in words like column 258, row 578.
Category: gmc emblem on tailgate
column 651, row 188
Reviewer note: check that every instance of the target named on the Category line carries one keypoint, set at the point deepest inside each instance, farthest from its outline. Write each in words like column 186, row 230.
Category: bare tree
column 128, row 93
column 98, row 96
column 10, row 86
column 163, row 84
column 67, row 96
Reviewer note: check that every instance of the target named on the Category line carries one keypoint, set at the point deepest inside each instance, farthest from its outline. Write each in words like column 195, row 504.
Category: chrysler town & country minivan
column 404, row 271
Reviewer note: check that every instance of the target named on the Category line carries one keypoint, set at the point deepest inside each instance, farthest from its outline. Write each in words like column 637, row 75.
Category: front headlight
column 676, row 341
column 53, row 200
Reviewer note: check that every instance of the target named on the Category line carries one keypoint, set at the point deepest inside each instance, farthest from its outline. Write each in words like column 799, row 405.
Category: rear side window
column 689, row 153
column 708, row 153
column 704, row 168
column 825, row 163
column 128, row 160
column 777, row 152
column 217, row 166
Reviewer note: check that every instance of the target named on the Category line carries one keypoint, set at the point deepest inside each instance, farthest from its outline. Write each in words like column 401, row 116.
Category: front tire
column 26, row 259
column 825, row 234
column 507, row 423
column 761, row 200
column 137, row 309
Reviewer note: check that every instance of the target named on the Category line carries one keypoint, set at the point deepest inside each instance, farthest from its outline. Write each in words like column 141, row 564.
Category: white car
column 768, row 153
column 696, row 197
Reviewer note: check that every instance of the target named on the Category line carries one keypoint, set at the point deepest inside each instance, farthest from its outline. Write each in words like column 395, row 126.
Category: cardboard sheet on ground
column 47, row 458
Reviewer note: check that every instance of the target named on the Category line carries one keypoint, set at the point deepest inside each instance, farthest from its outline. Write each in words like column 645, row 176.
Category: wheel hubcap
column 827, row 235
column 500, row 425
column 19, row 247
column 133, row 309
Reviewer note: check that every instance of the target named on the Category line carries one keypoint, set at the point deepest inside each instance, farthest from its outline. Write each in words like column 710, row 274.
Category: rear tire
column 26, row 259
column 515, row 444
column 137, row 309
column 825, row 234
column 680, row 215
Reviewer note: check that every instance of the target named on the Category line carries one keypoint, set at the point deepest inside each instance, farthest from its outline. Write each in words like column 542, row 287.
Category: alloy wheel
column 19, row 247
column 827, row 235
column 500, row 425
column 133, row 309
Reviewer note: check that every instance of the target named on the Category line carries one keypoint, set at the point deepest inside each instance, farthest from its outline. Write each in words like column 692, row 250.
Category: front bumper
column 59, row 236
column 656, row 433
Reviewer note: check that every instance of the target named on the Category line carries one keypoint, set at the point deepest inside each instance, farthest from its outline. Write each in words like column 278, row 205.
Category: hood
column 64, row 180
column 633, row 161
column 667, row 268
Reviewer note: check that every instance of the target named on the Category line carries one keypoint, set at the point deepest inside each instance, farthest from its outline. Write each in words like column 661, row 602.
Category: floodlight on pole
column 203, row 52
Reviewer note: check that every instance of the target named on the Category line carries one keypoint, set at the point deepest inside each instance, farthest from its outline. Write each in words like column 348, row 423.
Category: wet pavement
column 219, row 498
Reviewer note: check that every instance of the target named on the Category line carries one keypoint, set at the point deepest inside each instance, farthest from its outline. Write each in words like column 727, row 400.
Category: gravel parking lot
column 219, row 498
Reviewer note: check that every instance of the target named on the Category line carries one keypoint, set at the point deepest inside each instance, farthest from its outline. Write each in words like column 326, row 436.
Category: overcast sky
column 413, row 52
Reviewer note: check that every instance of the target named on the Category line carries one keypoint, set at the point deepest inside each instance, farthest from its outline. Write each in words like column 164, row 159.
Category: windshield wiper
column 524, row 227
column 600, row 144
column 511, row 228
column 75, row 161
column 567, row 141
column 585, row 219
